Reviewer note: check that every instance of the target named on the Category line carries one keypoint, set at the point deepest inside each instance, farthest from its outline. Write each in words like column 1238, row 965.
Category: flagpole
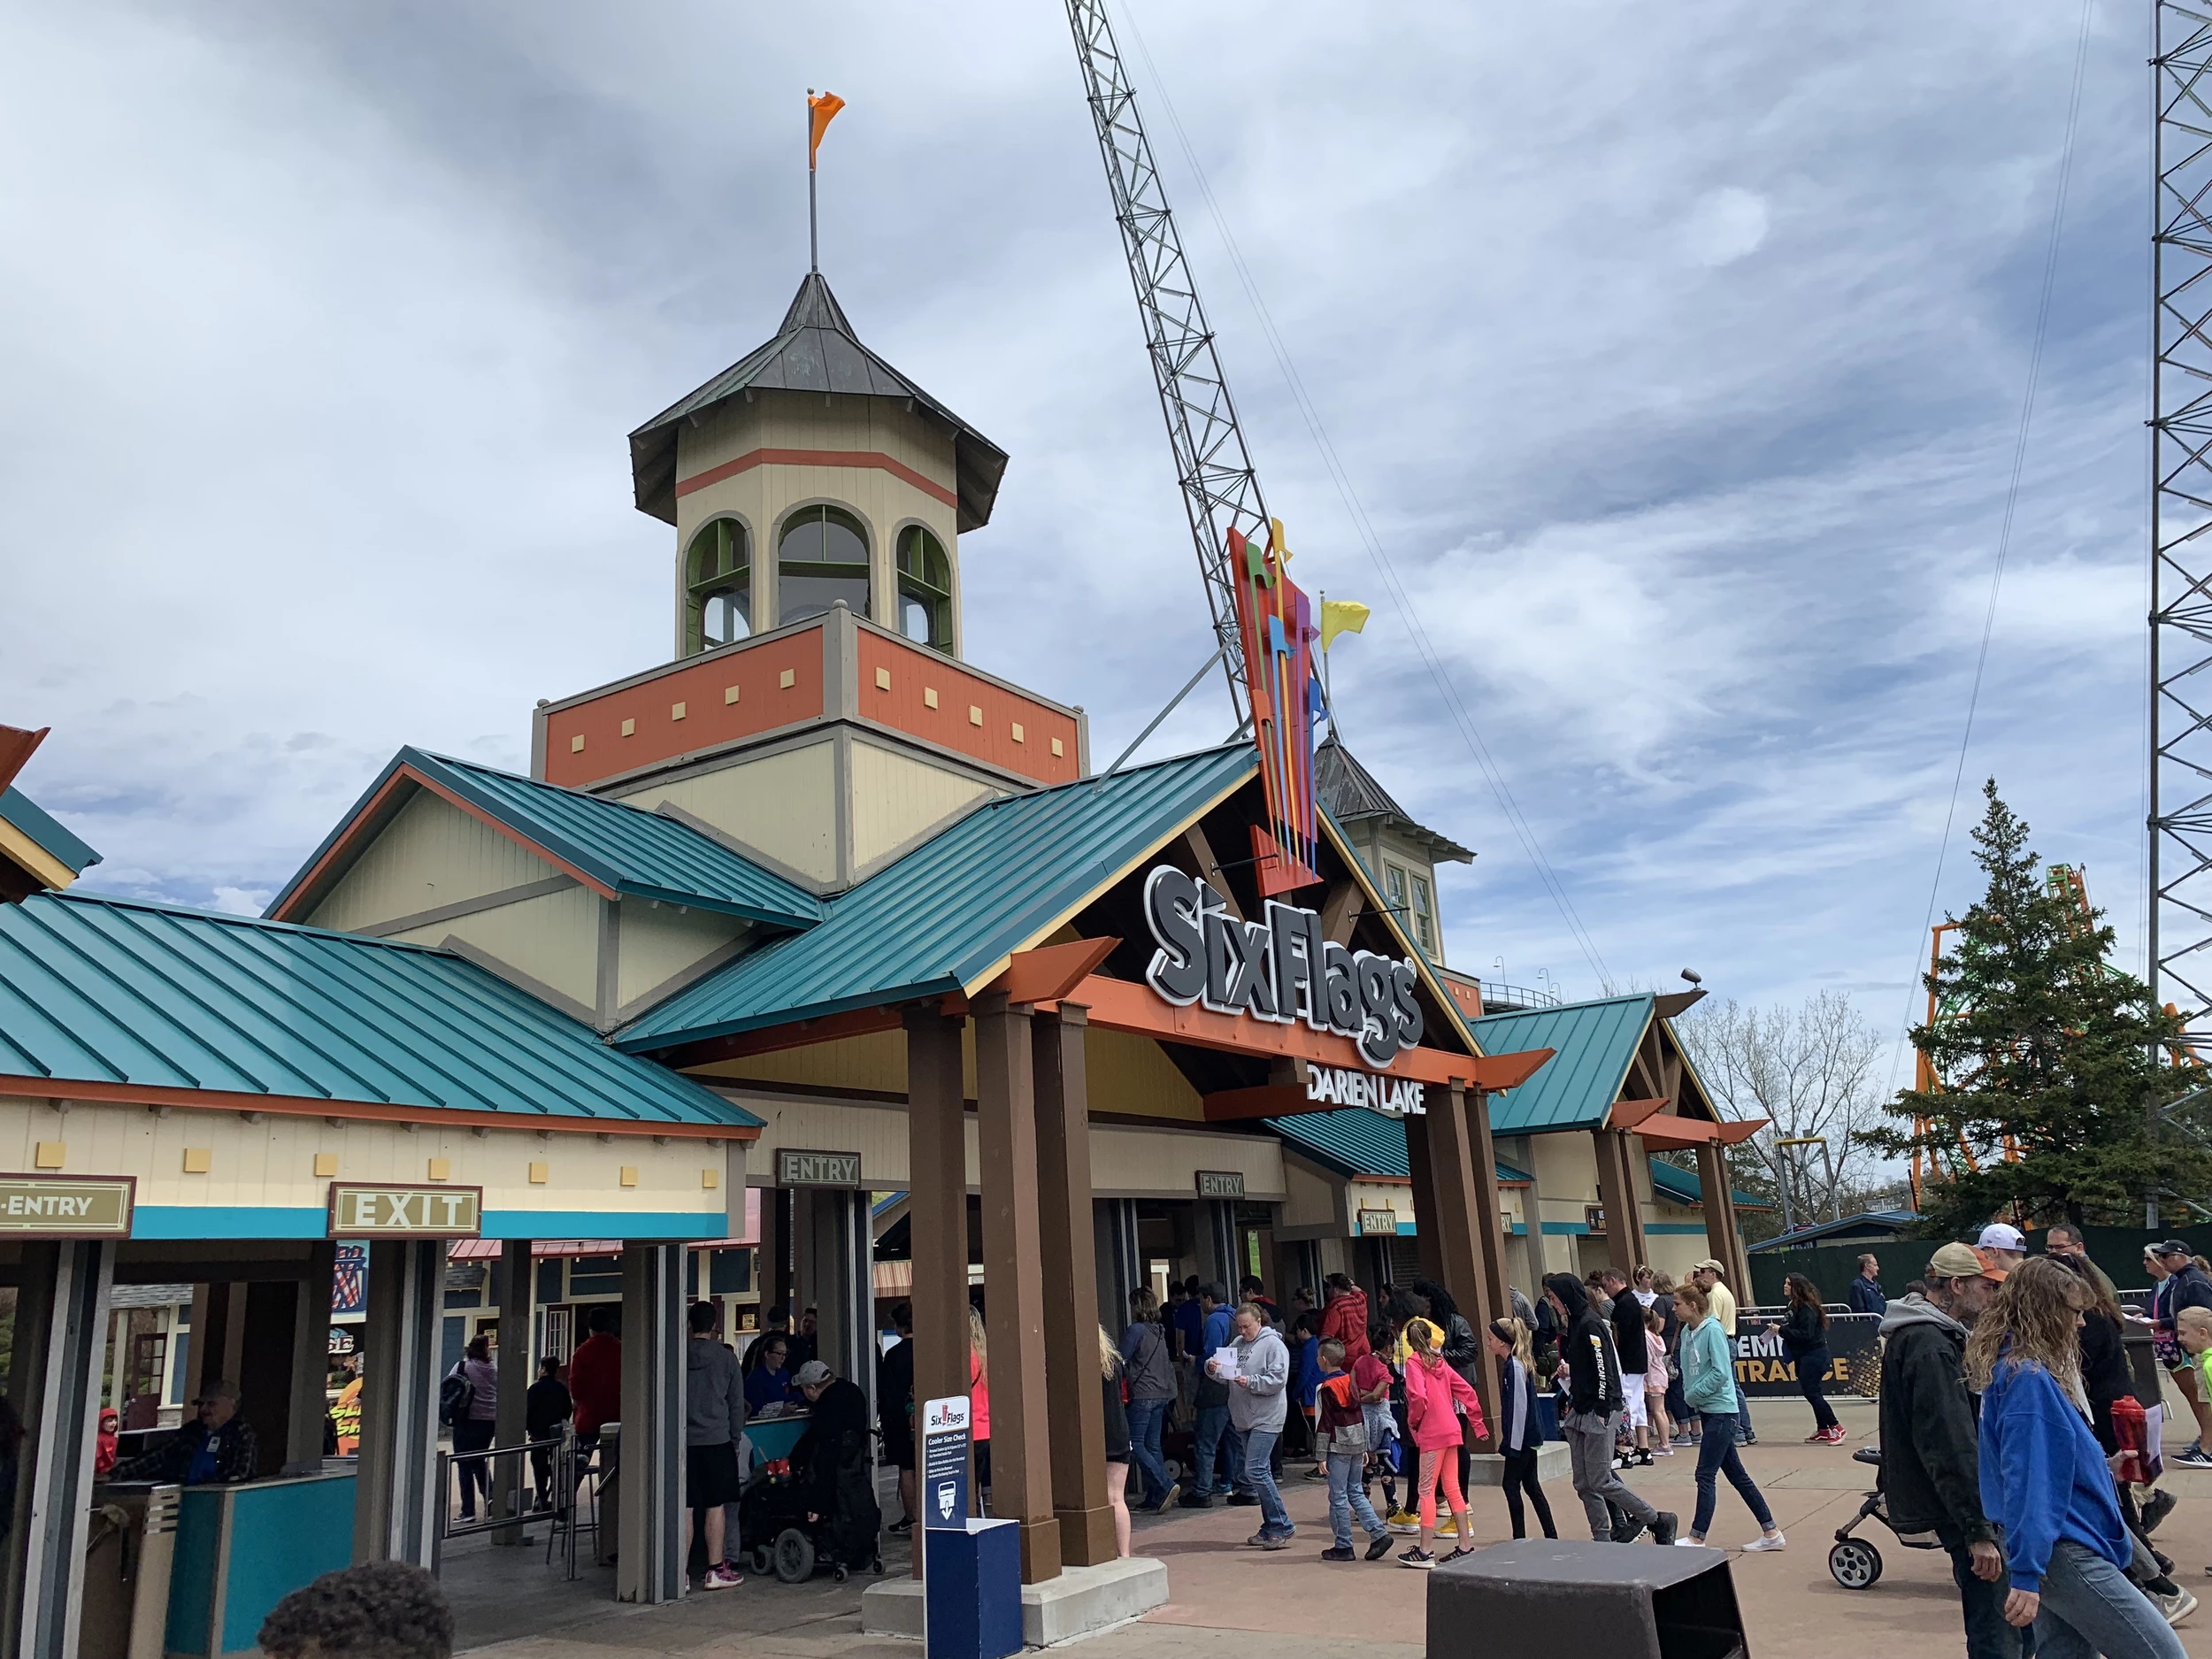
column 813, row 234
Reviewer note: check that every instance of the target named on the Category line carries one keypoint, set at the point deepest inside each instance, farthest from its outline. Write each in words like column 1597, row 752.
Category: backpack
column 456, row 1395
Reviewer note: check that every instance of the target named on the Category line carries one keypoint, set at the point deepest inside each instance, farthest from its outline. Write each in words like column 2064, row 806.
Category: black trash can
column 1538, row 1598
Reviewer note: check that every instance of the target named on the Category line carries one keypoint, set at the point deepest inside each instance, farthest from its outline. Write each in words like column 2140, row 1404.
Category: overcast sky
column 1676, row 353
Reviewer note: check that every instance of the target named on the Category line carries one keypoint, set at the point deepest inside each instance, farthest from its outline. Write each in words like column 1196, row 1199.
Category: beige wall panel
column 1309, row 1197
column 1128, row 1075
column 432, row 853
column 1164, row 1164
column 271, row 1164
column 875, row 1063
column 1672, row 1253
column 657, row 942
column 785, row 805
column 1360, row 1195
column 876, row 1131
column 1566, row 1168
column 897, row 797
column 554, row 939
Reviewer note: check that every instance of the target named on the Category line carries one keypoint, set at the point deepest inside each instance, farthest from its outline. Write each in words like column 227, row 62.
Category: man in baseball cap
column 2006, row 1244
column 1930, row 1461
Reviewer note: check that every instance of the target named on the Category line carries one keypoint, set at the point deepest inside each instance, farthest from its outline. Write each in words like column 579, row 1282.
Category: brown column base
column 1040, row 1550
column 1086, row 1536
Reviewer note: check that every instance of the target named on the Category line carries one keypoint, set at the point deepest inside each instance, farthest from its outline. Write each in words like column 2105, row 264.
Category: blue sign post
column 972, row 1589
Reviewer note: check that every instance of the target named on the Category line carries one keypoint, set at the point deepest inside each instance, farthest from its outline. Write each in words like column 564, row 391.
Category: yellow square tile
column 729, row 696
column 325, row 1164
column 1019, row 738
column 629, row 728
column 929, row 697
column 197, row 1160
column 787, row 679
column 441, row 1170
column 1056, row 751
column 710, row 1178
column 883, row 679
column 51, row 1155
column 975, row 715
column 675, row 710
column 576, row 744
column 629, row 1175
column 540, row 1174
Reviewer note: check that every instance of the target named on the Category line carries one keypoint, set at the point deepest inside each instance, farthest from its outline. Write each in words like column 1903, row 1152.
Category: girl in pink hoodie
column 1441, row 1409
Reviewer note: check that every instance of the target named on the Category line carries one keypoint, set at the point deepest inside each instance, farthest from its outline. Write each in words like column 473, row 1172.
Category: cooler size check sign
column 1282, row 969
column 406, row 1212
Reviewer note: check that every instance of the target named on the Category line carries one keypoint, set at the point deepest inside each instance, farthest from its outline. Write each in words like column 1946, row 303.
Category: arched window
column 718, row 586
column 925, row 589
column 821, row 558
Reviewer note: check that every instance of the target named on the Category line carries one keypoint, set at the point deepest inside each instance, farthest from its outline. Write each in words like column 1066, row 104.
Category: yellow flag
column 1341, row 616
column 822, row 109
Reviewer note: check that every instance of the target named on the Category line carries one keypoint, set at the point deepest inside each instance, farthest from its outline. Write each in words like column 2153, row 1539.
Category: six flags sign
column 1282, row 968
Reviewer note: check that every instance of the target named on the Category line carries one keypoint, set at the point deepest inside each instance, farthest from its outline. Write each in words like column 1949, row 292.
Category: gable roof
column 1351, row 795
column 614, row 849
column 815, row 350
column 946, row 916
column 1357, row 1140
column 1595, row 1042
column 105, row 998
column 1677, row 1185
column 31, row 841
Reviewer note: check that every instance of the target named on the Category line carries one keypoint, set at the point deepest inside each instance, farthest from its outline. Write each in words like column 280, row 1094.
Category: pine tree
column 2039, row 1043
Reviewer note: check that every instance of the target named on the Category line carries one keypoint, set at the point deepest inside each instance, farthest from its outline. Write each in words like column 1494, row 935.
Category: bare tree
column 1810, row 1072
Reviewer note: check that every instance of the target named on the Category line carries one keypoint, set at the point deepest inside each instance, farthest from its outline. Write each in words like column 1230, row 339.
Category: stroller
column 1853, row 1562
column 773, row 1511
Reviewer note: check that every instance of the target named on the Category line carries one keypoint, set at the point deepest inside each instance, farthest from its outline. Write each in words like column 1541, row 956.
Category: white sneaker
column 2176, row 1607
column 1763, row 1543
column 1690, row 1543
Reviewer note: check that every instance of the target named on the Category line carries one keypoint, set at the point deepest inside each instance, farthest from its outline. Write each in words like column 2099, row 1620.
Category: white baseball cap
column 1998, row 1236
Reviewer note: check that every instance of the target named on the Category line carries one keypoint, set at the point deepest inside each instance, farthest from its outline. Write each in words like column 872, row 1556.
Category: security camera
column 1692, row 976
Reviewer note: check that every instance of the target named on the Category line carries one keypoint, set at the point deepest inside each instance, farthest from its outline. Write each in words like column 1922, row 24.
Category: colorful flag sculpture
column 1277, row 621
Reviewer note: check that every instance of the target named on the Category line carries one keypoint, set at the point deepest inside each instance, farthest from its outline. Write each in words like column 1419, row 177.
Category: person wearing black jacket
column 1634, row 1353
column 1805, row 1339
column 546, row 1406
column 1593, row 1417
column 1930, row 1458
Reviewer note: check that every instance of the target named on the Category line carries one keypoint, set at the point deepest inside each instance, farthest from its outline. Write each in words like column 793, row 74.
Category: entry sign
column 406, row 1212
column 65, row 1206
column 945, row 1427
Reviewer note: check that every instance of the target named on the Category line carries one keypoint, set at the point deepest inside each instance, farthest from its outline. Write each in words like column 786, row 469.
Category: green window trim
column 821, row 558
column 718, row 586
column 1423, row 916
column 925, row 614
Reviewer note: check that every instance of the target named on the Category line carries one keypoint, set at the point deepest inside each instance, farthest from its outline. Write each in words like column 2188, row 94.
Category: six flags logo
column 945, row 1417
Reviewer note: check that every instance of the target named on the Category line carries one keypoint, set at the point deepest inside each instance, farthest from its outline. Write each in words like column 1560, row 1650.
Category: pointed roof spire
column 1351, row 793
column 815, row 350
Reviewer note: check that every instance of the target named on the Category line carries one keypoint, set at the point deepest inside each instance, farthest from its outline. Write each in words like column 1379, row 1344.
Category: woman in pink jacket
column 1440, row 1408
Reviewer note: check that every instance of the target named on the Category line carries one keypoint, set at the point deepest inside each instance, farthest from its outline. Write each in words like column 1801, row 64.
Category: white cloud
column 1725, row 225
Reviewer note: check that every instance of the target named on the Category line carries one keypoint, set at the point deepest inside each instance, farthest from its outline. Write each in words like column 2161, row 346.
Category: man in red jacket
column 1345, row 1318
column 595, row 1375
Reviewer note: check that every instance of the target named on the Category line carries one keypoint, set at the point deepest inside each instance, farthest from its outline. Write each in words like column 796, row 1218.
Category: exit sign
column 406, row 1212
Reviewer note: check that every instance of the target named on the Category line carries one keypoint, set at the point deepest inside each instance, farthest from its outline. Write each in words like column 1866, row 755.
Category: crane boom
column 1221, row 492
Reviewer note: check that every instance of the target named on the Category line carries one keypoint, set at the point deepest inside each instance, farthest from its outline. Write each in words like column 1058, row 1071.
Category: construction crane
column 1262, row 623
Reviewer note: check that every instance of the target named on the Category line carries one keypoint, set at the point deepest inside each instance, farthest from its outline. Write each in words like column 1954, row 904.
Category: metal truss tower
column 1221, row 492
column 2180, row 826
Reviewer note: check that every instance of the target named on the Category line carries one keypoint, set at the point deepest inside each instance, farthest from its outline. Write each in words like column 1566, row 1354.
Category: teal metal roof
column 114, row 991
column 28, row 816
column 962, row 902
column 1576, row 1089
column 1358, row 1140
column 632, row 851
column 1679, row 1186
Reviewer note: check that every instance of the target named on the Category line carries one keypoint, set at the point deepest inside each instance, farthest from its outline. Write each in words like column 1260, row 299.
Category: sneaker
column 901, row 1527
column 1168, row 1498
column 1464, row 1549
column 1628, row 1532
column 1380, row 1546
column 1817, row 1437
column 1835, row 1436
column 1762, row 1544
column 2156, row 1507
column 2174, row 1608
column 1643, row 1459
column 1276, row 1541
column 1404, row 1522
column 724, row 1576
column 1698, row 1543
column 1244, row 1499
column 1419, row 1559
column 1320, row 1474
column 1196, row 1500
column 1663, row 1528
column 2193, row 1457
column 1339, row 1552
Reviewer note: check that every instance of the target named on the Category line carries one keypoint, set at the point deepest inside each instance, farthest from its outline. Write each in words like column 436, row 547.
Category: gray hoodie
column 1265, row 1364
column 714, row 1394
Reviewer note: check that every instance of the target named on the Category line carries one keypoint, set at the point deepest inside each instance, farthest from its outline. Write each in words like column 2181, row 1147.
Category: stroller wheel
column 1855, row 1563
column 794, row 1555
column 763, row 1560
column 876, row 1566
column 841, row 1572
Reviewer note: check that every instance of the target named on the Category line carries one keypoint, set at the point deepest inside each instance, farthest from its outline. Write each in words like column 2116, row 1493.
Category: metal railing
column 504, row 1490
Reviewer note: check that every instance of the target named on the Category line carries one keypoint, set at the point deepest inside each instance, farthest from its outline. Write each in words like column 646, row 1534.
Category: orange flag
column 822, row 110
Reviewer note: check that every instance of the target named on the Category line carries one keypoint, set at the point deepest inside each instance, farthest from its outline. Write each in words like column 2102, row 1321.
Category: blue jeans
column 1744, row 1436
column 1348, row 1498
column 1716, row 1456
column 1145, row 1418
column 1216, row 1437
column 1982, row 1604
column 1259, row 1452
column 2089, row 1607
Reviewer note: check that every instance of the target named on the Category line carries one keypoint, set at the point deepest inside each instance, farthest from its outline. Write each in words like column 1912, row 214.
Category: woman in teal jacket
column 1708, row 1383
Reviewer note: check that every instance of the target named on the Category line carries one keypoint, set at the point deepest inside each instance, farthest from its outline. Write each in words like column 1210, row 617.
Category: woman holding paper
column 1257, row 1407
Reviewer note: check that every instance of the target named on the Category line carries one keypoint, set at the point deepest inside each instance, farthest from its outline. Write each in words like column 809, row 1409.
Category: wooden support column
column 1013, row 1281
column 937, row 1209
column 1458, row 1220
column 1616, row 1193
column 1473, row 1107
column 773, row 1260
column 1722, row 1239
column 1070, row 1288
column 1418, row 1165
